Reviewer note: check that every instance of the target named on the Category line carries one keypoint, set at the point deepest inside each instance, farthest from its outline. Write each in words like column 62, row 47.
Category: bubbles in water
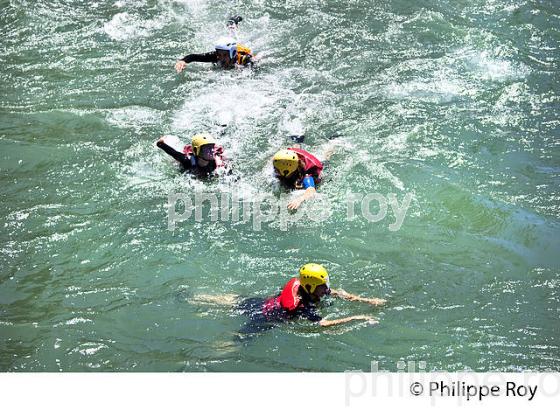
column 432, row 90
column 124, row 26
column 134, row 117
column 490, row 67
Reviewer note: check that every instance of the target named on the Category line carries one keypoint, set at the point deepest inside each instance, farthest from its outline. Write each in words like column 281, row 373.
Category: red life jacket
column 218, row 154
column 288, row 300
column 311, row 165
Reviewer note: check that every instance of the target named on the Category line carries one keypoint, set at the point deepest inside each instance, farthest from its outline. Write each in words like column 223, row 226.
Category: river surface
column 452, row 104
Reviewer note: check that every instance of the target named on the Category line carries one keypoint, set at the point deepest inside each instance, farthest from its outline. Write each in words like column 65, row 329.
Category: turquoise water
column 454, row 103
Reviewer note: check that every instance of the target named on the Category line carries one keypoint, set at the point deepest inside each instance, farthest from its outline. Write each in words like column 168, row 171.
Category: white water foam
column 125, row 26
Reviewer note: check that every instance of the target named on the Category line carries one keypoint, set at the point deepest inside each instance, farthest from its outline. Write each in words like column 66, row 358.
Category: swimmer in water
column 298, row 298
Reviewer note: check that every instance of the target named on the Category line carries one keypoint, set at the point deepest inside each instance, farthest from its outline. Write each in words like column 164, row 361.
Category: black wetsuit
column 259, row 321
column 188, row 162
column 212, row 57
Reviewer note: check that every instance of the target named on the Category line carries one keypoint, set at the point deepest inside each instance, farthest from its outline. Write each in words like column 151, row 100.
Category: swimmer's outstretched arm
column 308, row 194
column 210, row 57
column 341, row 293
column 370, row 319
column 179, row 156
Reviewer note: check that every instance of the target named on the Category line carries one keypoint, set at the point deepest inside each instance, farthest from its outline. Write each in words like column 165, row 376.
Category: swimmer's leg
column 230, row 300
column 256, row 322
column 298, row 139
column 234, row 21
column 252, row 328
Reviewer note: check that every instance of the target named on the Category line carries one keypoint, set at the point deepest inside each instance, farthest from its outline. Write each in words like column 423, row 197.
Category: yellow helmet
column 199, row 140
column 312, row 275
column 286, row 162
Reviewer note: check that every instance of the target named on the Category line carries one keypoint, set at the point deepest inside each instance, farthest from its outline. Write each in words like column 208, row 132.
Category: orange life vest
column 244, row 54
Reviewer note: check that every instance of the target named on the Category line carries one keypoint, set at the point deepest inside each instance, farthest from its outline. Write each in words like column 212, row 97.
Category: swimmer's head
column 203, row 146
column 314, row 279
column 285, row 163
column 226, row 49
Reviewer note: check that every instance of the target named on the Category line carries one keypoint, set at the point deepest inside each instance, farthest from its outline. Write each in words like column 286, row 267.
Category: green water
column 454, row 102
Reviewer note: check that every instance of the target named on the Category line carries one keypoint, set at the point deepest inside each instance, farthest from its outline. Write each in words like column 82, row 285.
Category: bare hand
column 294, row 203
column 369, row 319
column 180, row 66
column 376, row 301
column 158, row 141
